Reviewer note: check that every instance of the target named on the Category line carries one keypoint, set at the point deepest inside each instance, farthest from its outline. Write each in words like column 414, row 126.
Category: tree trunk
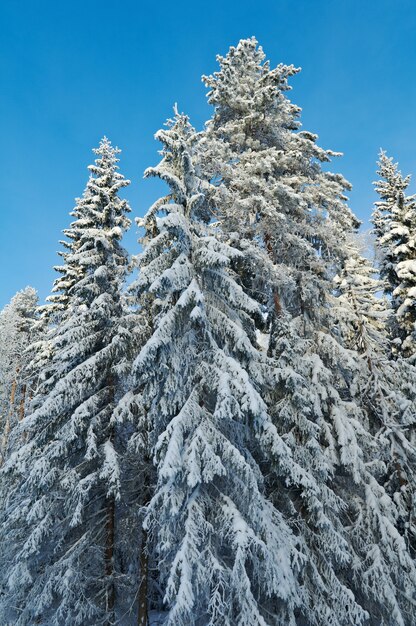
column 6, row 431
column 22, row 403
column 13, row 393
column 277, row 313
column 143, row 601
column 276, row 297
column 143, row 616
column 110, row 531
column 109, row 558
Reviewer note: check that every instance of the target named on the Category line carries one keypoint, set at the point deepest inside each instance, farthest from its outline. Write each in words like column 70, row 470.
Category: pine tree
column 17, row 332
column 64, row 483
column 394, row 220
column 272, row 191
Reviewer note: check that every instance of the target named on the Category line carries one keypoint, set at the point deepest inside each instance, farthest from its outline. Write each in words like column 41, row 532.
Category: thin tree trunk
column 109, row 557
column 22, row 403
column 110, row 533
column 30, row 398
column 270, row 252
column 143, row 600
column 143, row 615
column 6, row 431
column 277, row 313
column 13, row 393
column 268, row 244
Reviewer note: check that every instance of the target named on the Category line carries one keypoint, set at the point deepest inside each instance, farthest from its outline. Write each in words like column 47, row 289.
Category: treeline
column 228, row 439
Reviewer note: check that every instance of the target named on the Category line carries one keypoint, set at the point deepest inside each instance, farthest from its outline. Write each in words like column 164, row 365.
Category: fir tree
column 226, row 556
column 64, row 483
column 394, row 220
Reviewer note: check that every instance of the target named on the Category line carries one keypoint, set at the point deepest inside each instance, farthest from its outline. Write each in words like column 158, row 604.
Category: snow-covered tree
column 391, row 188
column 362, row 311
column 385, row 387
column 58, row 518
column 71, row 271
column 394, row 220
column 226, row 555
column 17, row 332
column 272, row 191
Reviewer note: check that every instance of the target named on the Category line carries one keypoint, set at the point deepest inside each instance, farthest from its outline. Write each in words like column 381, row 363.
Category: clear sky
column 71, row 72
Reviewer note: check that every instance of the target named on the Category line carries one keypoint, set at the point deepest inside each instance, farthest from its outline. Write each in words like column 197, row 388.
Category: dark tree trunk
column 7, row 426
column 143, row 614
column 110, row 531
column 22, row 403
column 109, row 558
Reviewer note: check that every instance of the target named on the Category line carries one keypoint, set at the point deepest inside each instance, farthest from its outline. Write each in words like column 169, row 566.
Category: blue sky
column 71, row 72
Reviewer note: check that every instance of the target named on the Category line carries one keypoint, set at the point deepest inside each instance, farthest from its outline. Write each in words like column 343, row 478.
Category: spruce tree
column 58, row 553
column 394, row 220
column 225, row 554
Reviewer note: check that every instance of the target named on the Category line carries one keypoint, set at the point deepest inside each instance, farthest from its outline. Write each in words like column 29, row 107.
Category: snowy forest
column 218, row 430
